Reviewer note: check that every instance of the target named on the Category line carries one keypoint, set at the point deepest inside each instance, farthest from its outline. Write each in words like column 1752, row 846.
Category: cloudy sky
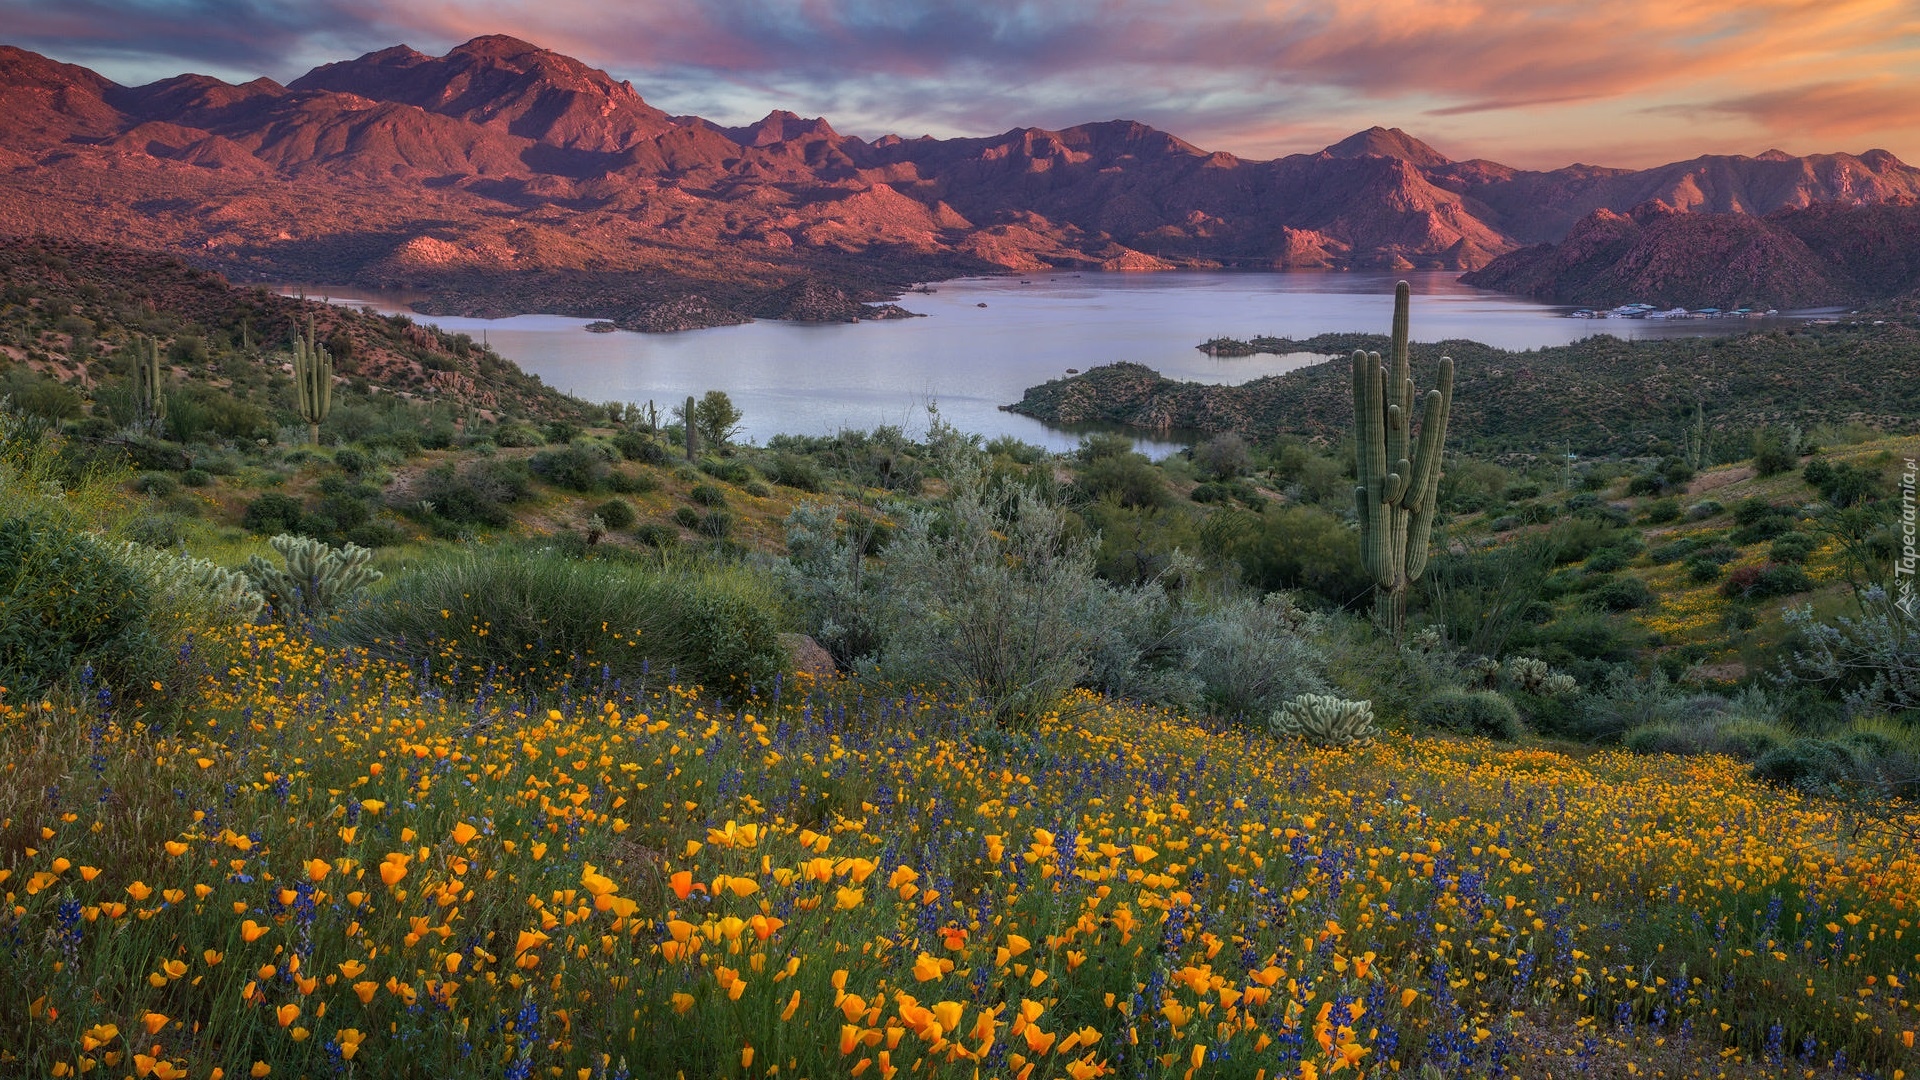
column 1614, row 82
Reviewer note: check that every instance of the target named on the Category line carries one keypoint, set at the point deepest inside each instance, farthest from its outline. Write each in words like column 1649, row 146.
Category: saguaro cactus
column 1397, row 478
column 693, row 430
column 313, row 378
column 149, row 383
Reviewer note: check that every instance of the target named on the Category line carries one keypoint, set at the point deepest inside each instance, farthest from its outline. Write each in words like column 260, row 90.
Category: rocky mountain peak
column 1377, row 141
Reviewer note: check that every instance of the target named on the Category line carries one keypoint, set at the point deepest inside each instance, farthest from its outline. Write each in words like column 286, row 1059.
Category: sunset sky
column 1624, row 82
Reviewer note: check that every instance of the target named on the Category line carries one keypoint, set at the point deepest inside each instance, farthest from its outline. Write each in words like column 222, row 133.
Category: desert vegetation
column 542, row 746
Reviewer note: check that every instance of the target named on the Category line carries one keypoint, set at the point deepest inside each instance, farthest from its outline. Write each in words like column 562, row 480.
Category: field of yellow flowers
column 346, row 867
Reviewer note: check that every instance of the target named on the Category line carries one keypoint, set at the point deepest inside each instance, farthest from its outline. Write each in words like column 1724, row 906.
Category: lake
column 985, row 340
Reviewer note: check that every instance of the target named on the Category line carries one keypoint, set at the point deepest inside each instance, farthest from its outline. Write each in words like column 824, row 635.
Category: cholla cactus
column 1427, row 639
column 317, row 578
column 178, row 575
column 1483, row 672
column 1325, row 720
column 1535, row 677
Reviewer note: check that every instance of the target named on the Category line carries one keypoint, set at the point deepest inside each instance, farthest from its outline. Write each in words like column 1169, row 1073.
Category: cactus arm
column 1373, row 421
column 1360, row 460
column 1399, row 378
column 1433, row 436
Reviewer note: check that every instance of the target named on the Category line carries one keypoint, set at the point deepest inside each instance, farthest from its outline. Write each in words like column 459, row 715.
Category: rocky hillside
column 504, row 177
column 1820, row 255
column 1598, row 396
column 69, row 309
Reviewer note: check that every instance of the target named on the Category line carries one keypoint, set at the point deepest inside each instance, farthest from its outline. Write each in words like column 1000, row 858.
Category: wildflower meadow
column 346, row 866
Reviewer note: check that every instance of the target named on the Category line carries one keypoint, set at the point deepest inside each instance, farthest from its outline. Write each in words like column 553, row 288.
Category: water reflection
column 984, row 341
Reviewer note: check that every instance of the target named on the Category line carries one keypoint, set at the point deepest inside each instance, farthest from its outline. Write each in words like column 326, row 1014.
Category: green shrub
column 1621, row 594
column 625, row 483
column 273, row 513
column 794, row 471
column 757, row 489
column 1845, row 484
column 1577, row 539
column 616, row 513
column 1607, row 560
column 1814, row 765
column 1792, row 548
column 1129, row 478
column 477, row 494
column 655, row 534
column 1674, row 551
column 686, row 517
column 516, row 435
column 68, row 603
column 1660, row 739
column 1209, row 492
column 154, row 530
column 1771, row 454
column 374, row 534
column 197, row 411
column 718, row 524
column 158, row 484
column 707, row 495
column 561, row 620
column 1702, row 569
column 575, row 468
column 635, row 446
column 1747, row 738
column 1481, row 712
column 1705, row 509
column 1661, row 511
column 1015, row 450
column 1765, row 529
column 1555, row 714
column 1302, row 548
column 732, row 470
column 1765, row 581
column 195, row 478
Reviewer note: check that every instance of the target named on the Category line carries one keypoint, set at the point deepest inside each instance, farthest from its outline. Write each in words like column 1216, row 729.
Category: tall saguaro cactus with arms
column 1398, row 477
column 313, row 378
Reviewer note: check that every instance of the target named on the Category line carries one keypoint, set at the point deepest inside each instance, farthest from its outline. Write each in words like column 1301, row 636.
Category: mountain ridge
column 501, row 157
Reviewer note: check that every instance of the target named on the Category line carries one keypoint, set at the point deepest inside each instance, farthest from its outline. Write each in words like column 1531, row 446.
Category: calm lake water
column 971, row 359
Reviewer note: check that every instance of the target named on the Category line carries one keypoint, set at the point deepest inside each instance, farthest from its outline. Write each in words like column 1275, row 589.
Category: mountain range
column 506, row 177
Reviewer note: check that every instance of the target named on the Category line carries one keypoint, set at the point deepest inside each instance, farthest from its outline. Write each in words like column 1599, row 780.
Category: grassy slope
column 1687, row 612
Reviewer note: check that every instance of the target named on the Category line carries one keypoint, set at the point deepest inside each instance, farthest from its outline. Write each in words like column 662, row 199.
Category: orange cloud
column 1829, row 109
